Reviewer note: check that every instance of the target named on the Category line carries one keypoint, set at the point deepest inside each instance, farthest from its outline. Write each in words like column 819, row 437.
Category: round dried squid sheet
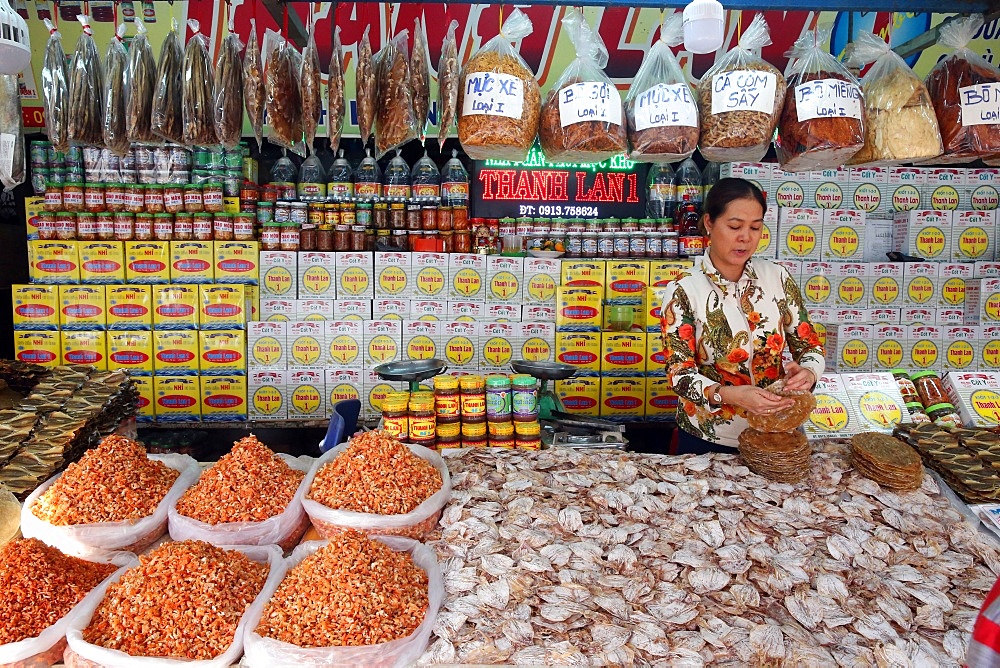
column 787, row 419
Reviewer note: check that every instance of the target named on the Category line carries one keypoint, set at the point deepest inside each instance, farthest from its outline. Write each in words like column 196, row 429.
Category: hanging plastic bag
column 335, row 103
column 740, row 100
column 116, row 69
column 86, row 90
column 965, row 133
column 310, row 88
column 449, row 80
column 900, row 124
column 12, row 169
column 260, row 652
column 83, row 540
column 365, row 87
column 420, row 78
column 46, row 649
column 395, row 121
column 498, row 97
column 139, row 92
column 822, row 123
column 582, row 115
column 279, row 530
column 284, row 101
column 254, row 93
column 168, row 116
column 82, row 654
column 199, row 91
column 416, row 524
column 229, row 92
column 660, row 107
column 55, row 90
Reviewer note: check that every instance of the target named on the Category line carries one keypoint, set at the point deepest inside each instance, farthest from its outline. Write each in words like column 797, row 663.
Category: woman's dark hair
column 729, row 190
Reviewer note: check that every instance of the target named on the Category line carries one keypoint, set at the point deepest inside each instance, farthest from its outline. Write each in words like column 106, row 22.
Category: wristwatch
column 717, row 396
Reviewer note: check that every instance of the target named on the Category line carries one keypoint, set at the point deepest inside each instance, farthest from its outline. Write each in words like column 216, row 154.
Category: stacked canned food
column 607, row 238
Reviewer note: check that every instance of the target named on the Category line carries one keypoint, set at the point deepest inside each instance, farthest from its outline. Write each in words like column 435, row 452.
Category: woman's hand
column 755, row 399
column 799, row 378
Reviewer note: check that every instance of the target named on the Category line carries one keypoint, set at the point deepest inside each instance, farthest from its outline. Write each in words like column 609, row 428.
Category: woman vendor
column 726, row 322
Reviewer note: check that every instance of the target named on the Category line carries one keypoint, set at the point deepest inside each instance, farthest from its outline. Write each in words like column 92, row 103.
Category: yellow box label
column 237, row 261
column 623, row 351
column 146, row 401
column 656, row 355
column 42, row 348
column 223, row 398
column 131, row 351
column 579, row 308
column 35, row 306
column 147, row 261
column 223, row 351
column 175, row 307
column 191, row 262
column 85, row 348
column 626, row 280
column 178, row 399
column 54, row 262
column 175, row 353
column 623, row 397
column 222, row 306
column 662, row 272
column 82, row 307
column 661, row 400
column 583, row 273
column 581, row 396
column 102, row 261
column 581, row 349
column 33, row 208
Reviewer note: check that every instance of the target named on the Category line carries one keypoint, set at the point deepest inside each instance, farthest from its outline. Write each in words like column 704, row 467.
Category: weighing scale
column 412, row 371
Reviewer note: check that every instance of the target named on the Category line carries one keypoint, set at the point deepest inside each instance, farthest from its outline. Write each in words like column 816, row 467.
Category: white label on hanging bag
column 493, row 94
column 827, row 98
column 980, row 104
column 665, row 105
column 590, row 101
column 744, row 90
column 7, row 142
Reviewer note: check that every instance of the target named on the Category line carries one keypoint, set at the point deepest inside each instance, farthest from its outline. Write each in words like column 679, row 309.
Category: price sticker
column 590, row 101
column 493, row 94
column 744, row 90
column 980, row 104
column 827, row 98
column 665, row 105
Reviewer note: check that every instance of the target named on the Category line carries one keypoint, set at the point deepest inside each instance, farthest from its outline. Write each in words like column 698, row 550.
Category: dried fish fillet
column 254, row 93
column 198, row 91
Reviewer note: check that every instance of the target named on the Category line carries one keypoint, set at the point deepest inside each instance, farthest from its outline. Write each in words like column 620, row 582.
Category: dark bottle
column 659, row 191
column 692, row 244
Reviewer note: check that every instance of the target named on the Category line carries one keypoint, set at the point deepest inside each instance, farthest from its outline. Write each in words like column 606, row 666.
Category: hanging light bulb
column 15, row 46
column 703, row 29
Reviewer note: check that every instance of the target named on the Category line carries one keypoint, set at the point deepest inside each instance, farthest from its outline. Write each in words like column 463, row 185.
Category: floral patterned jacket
column 717, row 331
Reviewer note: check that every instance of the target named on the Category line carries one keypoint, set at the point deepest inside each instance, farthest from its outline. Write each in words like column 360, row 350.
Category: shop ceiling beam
column 296, row 29
column 930, row 38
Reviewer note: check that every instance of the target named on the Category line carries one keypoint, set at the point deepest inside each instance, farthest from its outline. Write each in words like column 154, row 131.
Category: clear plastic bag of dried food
column 660, row 107
column 582, row 118
column 55, row 90
column 395, row 121
column 139, row 93
column 416, row 524
column 310, row 88
column 269, row 653
column 335, row 102
column 228, row 95
column 168, row 115
column 900, row 123
column 12, row 169
column 116, row 70
column 283, row 530
column 82, row 654
column 83, row 540
column 86, row 90
column 449, row 81
column 46, row 649
column 498, row 97
column 740, row 100
column 199, row 91
column 966, row 131
column 420, row 78
column 822, row 122
column 284, row 101
column 254, row 93
column 365, row 87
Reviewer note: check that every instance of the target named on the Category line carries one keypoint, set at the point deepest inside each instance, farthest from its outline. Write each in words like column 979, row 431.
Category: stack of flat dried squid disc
column 887, row 460
column 780, row 456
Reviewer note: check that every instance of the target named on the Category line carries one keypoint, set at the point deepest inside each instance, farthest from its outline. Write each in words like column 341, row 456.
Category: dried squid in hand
column 364, row 83
column 116, row 70
column 229, row 92
column 199, row 85
column 11, row 133
column 253, row 85
column 335, row 104
column 284, row 101
column 420, row 78
column 86, row 90
column 311, row 88
column 55, row 90
column 167, row 102
column 449, row 80
column 139, row 92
